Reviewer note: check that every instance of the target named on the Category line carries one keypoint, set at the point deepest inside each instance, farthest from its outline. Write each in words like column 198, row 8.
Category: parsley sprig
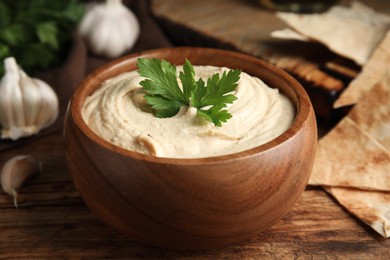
column 37, row 33
column 166, row 97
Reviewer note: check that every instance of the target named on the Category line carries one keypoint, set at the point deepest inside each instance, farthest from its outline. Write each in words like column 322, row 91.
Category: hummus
column 118, row 113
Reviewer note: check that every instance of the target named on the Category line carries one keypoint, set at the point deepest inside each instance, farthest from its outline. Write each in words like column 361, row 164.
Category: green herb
column 166, row 97
column 37, row 33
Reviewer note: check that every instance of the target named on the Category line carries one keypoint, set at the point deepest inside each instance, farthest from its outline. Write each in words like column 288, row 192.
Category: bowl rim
column 303, row 108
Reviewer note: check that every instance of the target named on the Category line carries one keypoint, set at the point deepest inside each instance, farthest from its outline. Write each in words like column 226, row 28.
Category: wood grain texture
column 193, row 203
column 52, row 222
column 245, row 26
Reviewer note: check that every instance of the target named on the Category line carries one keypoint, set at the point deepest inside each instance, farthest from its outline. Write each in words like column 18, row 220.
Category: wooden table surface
column 52, row 222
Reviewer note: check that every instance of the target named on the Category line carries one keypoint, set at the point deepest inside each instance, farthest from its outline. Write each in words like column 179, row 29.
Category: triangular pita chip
column 350, row 32
column 372, row 113
column 373, row 208
column 346, row 157
column 289, row 34
column 375, row 69
column 349, row 157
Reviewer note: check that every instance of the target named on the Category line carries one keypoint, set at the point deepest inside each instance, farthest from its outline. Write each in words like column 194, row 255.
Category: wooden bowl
column 192, row 203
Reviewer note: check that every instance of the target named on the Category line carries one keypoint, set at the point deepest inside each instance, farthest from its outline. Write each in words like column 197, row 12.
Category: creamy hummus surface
column 118, row 113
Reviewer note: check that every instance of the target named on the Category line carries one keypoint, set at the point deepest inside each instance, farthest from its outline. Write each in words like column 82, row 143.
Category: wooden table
column 52, row 222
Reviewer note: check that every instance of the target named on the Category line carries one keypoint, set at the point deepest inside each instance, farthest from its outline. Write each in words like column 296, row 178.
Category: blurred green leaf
column 37, row 33
column 15, row 35
column 4, row 53
column 5, row 15
column 37, row 55
column 74, row 11
column 47, row 34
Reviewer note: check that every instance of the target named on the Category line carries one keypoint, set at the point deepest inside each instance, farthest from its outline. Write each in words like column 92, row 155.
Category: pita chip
column 372, row 207
column 356, row 154
column 349, row 157
column 352, row 32
column 289, row 34
column 372, row 113
column 372, row 73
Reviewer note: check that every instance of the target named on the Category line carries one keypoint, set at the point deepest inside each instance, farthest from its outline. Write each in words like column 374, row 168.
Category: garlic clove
column 110, row 28
column 27, row 105
column 31, row 97
column 16, row 171
column 10, row 96
column 48, row 100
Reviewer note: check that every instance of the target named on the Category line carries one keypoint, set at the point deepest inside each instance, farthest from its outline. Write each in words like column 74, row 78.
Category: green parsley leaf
column 161, row 79
column 163, row 107
column 215, row 114
column 166, row 96
column 187, row 78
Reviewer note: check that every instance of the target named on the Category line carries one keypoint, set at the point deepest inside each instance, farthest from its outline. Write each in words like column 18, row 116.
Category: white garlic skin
column 16, row 171
column 110, row 28
column 27, row 105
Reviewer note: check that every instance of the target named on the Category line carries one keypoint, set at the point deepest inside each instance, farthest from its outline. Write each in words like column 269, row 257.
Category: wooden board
column 246, row 26
column 52, row 222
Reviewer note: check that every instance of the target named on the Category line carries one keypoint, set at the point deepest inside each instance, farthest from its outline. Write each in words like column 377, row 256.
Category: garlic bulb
column 27, row 105
column 110, row 28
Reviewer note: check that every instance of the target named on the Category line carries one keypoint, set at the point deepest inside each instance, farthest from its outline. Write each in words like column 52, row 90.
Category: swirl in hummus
column 118, row 113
